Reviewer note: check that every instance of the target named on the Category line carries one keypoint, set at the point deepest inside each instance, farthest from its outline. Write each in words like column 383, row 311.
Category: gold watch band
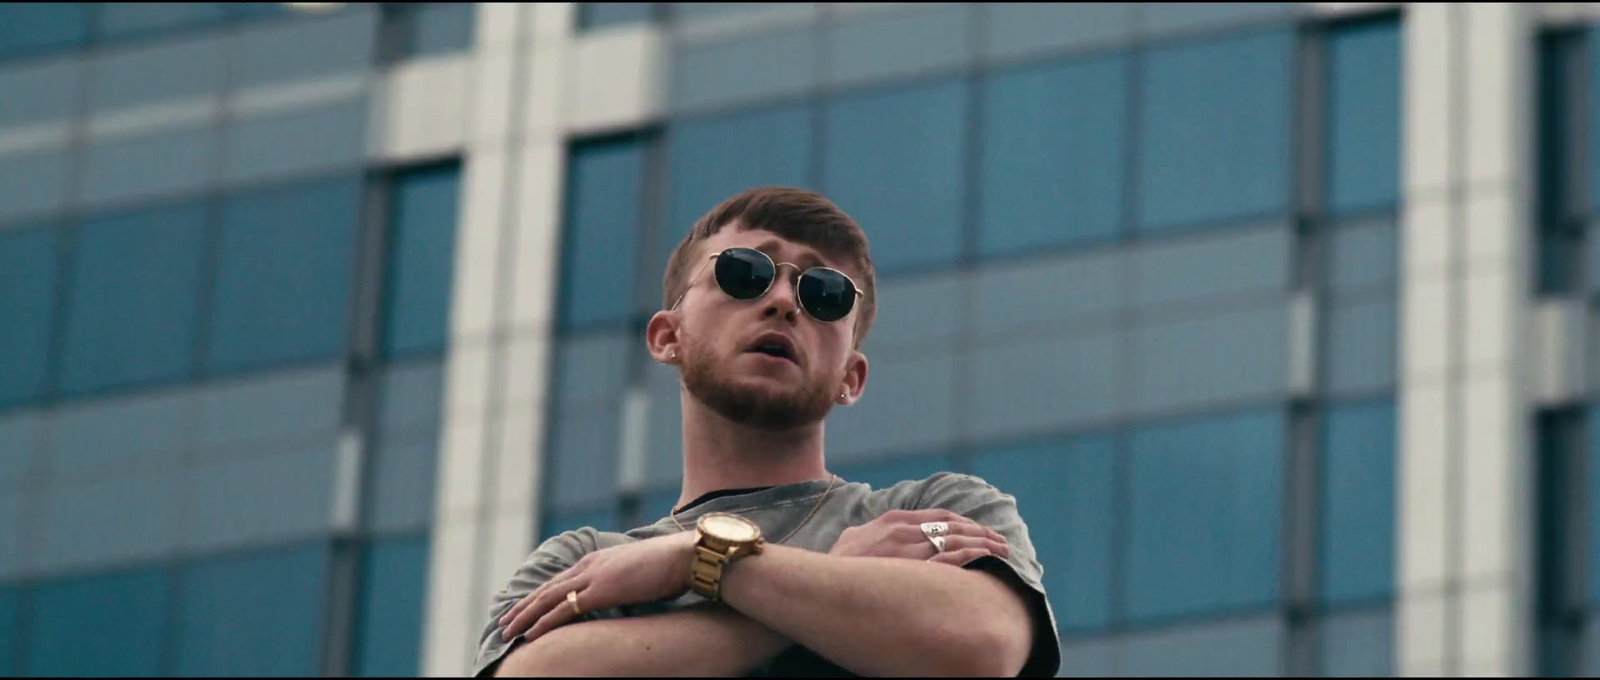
column 711, row 557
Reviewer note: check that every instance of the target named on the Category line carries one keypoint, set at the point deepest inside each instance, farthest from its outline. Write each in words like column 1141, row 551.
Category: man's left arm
column 877, row 616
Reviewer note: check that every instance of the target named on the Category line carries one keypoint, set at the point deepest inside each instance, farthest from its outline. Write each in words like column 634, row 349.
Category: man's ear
column 661, row 337
column 855, row 379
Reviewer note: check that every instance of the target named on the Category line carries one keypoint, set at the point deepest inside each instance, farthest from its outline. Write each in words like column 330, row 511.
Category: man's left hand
column 646, row 571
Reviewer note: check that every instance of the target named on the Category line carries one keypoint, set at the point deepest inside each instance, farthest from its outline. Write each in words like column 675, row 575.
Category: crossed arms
column 877, row 604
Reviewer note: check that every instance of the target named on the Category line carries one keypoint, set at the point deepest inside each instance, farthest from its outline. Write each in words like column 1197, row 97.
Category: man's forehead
column 777, row 247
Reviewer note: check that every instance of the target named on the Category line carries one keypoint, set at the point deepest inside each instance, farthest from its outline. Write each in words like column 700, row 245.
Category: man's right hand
column 898, row 533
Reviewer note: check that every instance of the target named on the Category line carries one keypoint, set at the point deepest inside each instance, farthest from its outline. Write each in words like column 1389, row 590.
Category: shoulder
column 940, row 487
column 941, row 490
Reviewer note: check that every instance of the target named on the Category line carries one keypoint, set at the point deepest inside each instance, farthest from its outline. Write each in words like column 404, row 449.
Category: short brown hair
column 799, row 215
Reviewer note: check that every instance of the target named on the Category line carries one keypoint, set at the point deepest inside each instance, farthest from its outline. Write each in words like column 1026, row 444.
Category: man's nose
column 780, row 298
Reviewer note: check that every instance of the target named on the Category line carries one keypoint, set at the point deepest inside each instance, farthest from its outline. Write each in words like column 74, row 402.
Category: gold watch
column 720, row 538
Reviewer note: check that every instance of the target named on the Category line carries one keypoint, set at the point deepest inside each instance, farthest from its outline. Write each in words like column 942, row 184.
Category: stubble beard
column 752, row 406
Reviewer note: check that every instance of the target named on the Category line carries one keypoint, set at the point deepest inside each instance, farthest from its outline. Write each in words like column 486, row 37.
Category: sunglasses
column 826, row 294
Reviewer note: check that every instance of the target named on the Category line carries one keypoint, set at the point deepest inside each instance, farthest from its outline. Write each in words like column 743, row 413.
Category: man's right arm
column 703, row 640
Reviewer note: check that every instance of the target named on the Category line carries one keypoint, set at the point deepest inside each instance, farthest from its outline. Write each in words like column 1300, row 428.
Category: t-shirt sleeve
column 553, row 557
column 976, row 500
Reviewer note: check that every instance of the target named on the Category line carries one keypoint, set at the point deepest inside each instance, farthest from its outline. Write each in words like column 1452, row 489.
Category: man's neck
column 719, row 454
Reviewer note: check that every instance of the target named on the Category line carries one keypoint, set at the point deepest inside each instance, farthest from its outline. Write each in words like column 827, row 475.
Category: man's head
column 722, row 343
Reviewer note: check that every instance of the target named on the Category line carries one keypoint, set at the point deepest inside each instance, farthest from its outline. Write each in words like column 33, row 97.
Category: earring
column 842, row 395
column 672, row 355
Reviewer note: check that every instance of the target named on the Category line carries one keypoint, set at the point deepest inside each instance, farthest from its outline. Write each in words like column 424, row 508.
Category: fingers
column 589, row 599
column 957, row 558
column 955, row 543
column 958, row 523
column 556, row 582
column 539, row 606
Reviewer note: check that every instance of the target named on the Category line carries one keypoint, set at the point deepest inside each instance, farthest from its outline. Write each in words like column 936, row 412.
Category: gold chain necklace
column 833, row 479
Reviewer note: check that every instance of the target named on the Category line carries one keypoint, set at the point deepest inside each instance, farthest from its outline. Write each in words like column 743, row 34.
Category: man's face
column 717, row 337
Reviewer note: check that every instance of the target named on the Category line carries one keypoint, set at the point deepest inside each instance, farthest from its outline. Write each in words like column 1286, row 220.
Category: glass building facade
column 314, row 324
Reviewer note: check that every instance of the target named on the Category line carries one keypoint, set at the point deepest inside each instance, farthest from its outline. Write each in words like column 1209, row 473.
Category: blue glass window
column 284, row 274
column 657, row 504
column 421, row 260
column 893, row 160
column 1592, row 109
column 437, row 28
column 1364, row 117
column 66, row 613
column 592, row 15
column 1357, row 553
column 1067, row 486
column 605, row 203
column 1215, row 116
column 1052, row 168
column 1592, row 513
column 714, row 159
column 394, row 583
column 254, row 614
column 1356, row 645
column 887, row 473
column 28, row 266
column 11, row 631
column 1205, row 510
column 134, row 303
column 144, row 19
column 29, row 28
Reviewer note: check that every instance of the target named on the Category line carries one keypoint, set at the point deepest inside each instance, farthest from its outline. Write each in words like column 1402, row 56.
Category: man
column 770, row 565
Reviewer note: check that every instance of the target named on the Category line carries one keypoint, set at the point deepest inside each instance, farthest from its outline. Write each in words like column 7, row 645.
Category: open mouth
column 774, row 346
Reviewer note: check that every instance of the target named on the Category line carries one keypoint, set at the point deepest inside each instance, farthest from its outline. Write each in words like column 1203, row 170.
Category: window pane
column 1205, row 515
column 1361, row 345
column 1592, row 156
column 656, row 505
column 28, row 28
column 1592, row 518
column 605, row 202
column 394, row 581
column 28, row 265
column 421, row 260
column 1243, row 649
column 441, row 28
column 143, row 19
column 1216, row 122
column 1358, row 443
column 885, row 474
column 1052, row 155
column 893, row 161
column 1358, row 645
column 592, row 15
column 1066, row 486
column 135, row 297
column 1364, row 117
column 585, row 444
column 712, row 160
column 67, row 615
column 11, row 631
column 255, row 614
column 283, row 279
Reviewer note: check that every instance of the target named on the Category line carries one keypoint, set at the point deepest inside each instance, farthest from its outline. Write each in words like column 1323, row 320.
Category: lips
column 775, row 345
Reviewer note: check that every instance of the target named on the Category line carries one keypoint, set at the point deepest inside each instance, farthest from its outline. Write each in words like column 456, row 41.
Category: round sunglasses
column 825, row 293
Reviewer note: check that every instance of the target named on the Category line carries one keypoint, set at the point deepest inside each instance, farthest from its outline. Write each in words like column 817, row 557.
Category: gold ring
column 572, row 599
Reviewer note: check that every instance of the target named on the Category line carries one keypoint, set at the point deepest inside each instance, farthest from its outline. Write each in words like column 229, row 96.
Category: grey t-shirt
column 778, row 511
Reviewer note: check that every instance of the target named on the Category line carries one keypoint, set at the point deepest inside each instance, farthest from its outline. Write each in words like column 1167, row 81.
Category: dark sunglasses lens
column 744, row 274
column 826, row 294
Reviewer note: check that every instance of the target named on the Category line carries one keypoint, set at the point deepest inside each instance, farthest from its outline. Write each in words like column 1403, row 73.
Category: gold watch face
column 731, row 528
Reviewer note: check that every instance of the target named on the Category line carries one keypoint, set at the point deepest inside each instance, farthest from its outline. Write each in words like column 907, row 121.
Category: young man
column 770, row 565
